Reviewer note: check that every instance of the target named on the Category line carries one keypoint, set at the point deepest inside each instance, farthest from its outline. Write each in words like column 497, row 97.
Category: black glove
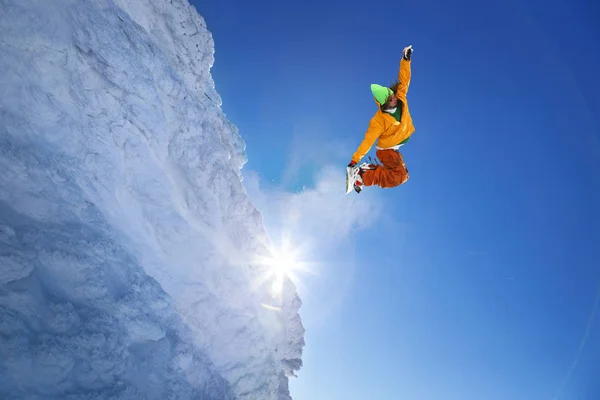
column 408, row 53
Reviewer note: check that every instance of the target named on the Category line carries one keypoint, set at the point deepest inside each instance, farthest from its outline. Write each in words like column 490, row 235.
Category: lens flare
column 284, row 262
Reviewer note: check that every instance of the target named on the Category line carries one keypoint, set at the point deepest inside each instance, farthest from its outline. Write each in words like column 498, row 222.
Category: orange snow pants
column 392, row 173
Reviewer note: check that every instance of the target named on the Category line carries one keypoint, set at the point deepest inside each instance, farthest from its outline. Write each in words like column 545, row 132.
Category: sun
column 285, row 261
column 284, row 264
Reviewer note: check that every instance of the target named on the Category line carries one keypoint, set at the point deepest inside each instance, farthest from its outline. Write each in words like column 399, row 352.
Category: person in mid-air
column 391, row 127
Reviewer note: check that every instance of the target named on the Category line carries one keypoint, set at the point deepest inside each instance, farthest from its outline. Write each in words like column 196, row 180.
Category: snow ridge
column 127, row 239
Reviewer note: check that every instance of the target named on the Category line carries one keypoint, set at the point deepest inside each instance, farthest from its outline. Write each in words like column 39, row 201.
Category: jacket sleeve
column 403, row 77
column 373, row 132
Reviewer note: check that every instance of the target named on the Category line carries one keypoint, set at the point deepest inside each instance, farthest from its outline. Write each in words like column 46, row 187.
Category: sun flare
column 285, row 261
column 283, row 264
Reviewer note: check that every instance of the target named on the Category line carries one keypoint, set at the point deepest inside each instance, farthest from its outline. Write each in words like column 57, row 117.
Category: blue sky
column 478, row 278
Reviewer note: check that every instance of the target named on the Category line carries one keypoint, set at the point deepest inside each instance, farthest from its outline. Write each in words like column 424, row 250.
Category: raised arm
column 404, row 72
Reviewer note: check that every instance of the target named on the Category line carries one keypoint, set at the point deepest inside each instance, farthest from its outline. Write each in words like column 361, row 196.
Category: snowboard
column 351, row 173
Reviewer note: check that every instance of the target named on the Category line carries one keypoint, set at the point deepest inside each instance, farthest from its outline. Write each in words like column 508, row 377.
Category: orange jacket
column 383, row 126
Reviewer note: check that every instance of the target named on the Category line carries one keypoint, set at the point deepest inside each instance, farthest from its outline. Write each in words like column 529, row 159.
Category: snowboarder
column 391, row 127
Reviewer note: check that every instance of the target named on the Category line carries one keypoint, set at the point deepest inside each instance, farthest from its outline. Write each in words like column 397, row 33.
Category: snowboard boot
column 354, row 177
column 358, row 183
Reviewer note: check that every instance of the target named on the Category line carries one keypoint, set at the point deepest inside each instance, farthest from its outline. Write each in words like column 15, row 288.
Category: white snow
column 127, row 240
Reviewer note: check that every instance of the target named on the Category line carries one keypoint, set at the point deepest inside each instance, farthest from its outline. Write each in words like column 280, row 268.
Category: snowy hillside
column 128, row 246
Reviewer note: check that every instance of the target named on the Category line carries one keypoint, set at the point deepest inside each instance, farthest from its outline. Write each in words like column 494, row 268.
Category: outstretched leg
column 392, row 173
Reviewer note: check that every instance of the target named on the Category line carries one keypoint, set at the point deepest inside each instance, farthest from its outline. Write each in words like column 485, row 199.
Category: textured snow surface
column 127, row 239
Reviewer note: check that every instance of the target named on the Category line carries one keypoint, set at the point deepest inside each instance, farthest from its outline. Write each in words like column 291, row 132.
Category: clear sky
column 477, row 279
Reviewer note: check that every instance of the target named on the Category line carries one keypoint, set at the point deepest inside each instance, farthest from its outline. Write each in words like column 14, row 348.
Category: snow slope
column 128, row 245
